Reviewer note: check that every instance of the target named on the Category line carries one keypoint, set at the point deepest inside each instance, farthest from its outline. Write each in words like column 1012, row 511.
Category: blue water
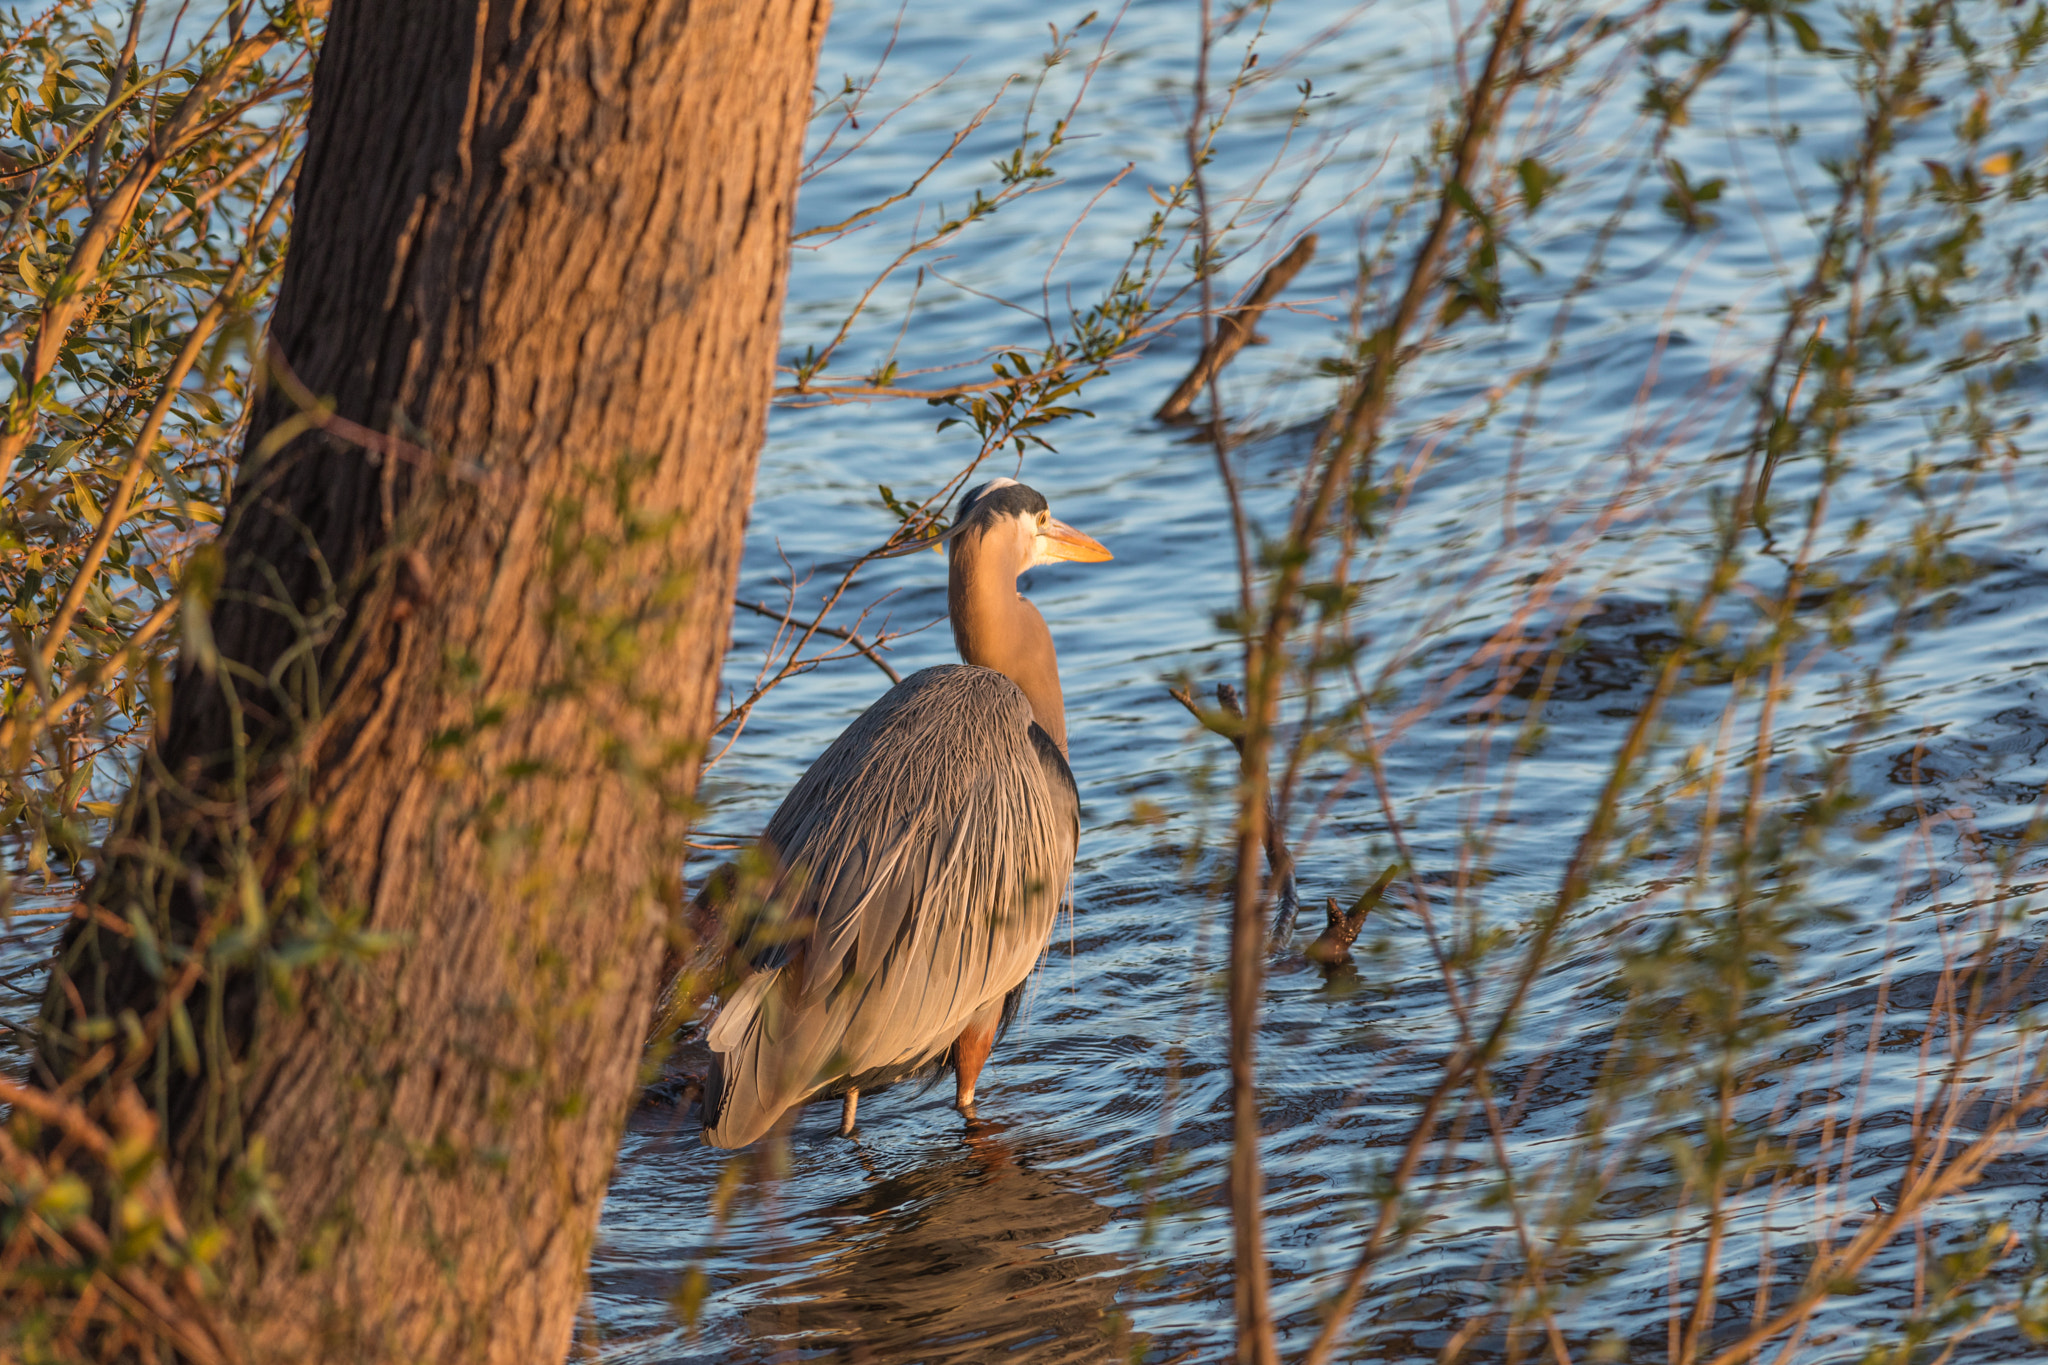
column 1084, row 1219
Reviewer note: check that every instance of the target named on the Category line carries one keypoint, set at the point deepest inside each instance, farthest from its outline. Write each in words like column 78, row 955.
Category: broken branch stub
column 1235, row 331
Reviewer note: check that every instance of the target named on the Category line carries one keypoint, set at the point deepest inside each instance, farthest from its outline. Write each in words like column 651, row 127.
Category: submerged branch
column 1332, row 947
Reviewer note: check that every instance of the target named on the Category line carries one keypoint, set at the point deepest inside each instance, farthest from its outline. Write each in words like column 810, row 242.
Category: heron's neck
column 995, row 627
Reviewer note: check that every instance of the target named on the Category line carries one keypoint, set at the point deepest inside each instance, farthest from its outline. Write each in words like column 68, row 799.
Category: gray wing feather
column 923, row 860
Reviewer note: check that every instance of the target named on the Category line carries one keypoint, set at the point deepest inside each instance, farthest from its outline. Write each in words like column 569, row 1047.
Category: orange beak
column 1064, row 542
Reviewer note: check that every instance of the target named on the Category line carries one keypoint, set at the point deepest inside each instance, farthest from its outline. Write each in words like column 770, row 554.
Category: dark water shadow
column 961, row 1259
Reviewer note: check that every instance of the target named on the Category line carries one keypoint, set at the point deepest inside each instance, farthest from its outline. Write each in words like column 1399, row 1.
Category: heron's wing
column 1059, row 780
column 925, row 855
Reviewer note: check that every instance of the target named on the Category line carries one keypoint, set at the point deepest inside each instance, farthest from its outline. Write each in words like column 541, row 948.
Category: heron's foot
column 847, row 1108
column 970, row 1054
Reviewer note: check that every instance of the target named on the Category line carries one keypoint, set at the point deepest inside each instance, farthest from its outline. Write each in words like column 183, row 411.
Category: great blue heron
column 921, row 860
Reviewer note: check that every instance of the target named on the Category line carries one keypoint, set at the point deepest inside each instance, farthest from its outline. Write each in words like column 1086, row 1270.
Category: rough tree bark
column 419, row 805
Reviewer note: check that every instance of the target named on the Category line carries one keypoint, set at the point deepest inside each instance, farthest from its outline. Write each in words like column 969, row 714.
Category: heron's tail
column 768, row 1055
column 734, row 1125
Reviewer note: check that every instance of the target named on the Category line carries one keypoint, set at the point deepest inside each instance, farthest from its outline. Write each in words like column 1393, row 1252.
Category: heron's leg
column 846, row 1109
column 970, row 1053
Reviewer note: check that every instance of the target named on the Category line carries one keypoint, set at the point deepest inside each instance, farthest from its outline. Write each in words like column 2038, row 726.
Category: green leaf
column 1462, row 197
column 1685, row 197
column 145, row 942
column 1537, row 181
column 182, row 1038
column 1802, row 30
column 63, row 1201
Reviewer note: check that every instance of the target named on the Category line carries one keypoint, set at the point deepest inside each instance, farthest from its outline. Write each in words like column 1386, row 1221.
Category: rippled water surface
column 1084, row 1218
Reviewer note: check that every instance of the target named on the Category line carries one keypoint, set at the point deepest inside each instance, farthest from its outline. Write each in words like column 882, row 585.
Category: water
column 1083, row 1218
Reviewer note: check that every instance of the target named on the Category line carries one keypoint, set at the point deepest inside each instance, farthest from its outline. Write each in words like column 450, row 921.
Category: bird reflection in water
column 964, row 1259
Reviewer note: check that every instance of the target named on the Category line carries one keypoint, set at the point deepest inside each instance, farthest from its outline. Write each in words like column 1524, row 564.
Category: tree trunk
column 406, row 848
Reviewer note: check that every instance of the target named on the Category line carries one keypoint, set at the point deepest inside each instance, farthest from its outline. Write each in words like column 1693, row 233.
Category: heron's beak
column 1064, row 542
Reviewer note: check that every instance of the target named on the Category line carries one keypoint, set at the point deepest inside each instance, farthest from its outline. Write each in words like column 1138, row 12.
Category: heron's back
column 923, row 856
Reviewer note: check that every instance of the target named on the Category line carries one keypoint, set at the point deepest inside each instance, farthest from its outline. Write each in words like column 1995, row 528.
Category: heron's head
column 1009, row 527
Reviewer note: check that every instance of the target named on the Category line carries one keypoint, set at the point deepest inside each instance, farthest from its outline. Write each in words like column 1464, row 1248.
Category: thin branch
column 851, row 637
column 1278, row 859
column 844, row 224
column 1235, row 331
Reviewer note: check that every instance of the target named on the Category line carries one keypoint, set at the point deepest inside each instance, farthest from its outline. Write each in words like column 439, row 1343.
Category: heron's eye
column 1044, row 517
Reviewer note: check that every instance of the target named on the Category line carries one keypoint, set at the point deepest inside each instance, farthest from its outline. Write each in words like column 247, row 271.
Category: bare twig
column 851, row 637
column 848, row 223
column 114, row 92
column 1356, row 427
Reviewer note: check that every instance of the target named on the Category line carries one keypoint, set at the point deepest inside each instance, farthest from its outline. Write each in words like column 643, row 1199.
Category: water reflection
column 964, row 1258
